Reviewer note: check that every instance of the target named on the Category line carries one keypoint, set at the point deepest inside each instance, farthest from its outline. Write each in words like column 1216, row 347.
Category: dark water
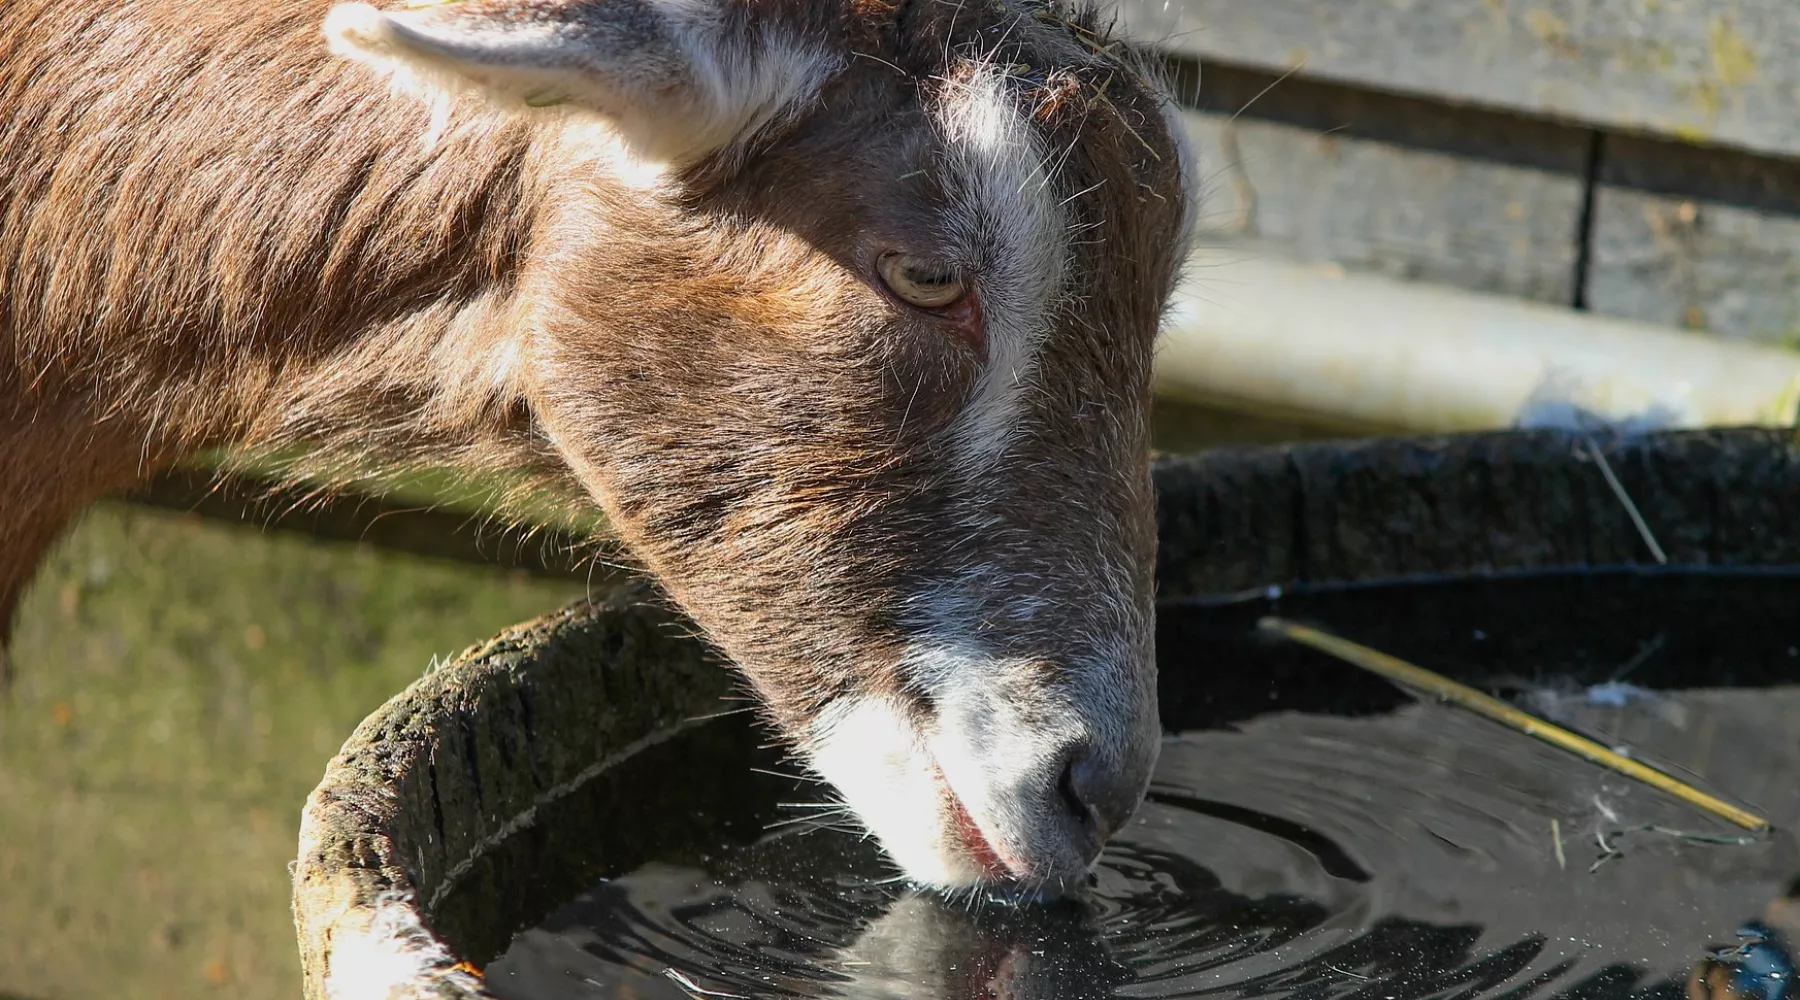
column 1313, row 834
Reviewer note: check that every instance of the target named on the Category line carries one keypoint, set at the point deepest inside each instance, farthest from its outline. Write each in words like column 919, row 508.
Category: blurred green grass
column 179, row 685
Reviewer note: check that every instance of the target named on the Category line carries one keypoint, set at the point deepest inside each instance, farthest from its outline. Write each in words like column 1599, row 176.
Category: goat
column 841, row 311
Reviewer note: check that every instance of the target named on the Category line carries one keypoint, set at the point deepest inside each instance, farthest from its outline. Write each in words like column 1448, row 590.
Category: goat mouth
column 969, row 837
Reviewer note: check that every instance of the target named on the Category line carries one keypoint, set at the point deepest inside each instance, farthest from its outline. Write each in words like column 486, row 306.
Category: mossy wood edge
column 450, row 764
column 463, row 751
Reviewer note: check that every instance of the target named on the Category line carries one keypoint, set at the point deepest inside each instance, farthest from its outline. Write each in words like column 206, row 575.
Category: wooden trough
column 431, row 839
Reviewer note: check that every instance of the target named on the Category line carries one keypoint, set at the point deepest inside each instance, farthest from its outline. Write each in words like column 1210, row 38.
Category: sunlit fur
column 628, row 250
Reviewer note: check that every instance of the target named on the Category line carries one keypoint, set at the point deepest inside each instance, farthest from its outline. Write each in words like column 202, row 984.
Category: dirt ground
column 179, row 685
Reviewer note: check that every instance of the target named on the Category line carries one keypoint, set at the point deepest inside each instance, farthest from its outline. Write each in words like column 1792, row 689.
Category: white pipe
column 1274, row 338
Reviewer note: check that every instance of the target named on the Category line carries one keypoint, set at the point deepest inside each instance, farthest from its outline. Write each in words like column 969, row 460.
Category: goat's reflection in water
column 666, row 933
column 669, row 932
column 927, row 949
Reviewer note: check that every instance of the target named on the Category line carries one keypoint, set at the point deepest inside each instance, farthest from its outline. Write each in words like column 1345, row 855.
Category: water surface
column 1312, row 833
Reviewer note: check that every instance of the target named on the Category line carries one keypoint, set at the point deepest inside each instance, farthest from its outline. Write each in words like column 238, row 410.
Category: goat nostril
column 1101, row 794
column 1065, row 785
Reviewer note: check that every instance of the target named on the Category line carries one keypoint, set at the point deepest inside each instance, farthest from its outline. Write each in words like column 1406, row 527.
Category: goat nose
column 1101, row 796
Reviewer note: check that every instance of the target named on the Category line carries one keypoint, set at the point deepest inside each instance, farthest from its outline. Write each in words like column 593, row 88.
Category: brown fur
column 212, row 233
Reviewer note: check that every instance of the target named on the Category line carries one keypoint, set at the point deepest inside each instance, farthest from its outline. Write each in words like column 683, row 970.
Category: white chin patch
column 872, row 755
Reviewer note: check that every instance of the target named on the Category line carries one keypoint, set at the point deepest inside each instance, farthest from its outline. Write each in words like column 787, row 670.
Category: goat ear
column 677, row 79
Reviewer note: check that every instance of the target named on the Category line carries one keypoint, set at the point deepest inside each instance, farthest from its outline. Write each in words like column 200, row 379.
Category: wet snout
column 1101, row 793
column 1049, row 822
column 1069, row 750
column 1011, row 772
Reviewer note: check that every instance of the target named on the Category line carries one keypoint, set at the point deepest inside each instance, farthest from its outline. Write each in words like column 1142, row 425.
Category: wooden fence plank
column 1700, row 265
column 1718, row 71
column 1390, row 209
column 1705, row 241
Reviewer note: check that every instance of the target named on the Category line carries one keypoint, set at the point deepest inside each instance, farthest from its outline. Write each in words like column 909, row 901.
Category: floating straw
column 1419, row 679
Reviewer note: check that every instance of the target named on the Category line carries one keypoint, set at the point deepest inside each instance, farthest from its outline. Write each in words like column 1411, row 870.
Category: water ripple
column 1391, row 857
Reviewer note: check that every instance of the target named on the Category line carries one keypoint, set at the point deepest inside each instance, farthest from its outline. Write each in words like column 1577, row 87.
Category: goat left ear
column 677, row 79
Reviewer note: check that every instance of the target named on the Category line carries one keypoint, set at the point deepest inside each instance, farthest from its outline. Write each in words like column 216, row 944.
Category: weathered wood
column 1241, row 519
column 1698, row 265
column 410, row 808
column 1703, row 72
column 1396, row 210
column 1704, row 240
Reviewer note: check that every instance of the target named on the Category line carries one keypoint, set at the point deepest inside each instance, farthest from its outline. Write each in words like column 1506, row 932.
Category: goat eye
column 925, row 283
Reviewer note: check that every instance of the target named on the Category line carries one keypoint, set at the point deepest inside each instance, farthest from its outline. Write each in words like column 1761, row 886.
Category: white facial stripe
column 1008, row 216
column 1001, row 734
